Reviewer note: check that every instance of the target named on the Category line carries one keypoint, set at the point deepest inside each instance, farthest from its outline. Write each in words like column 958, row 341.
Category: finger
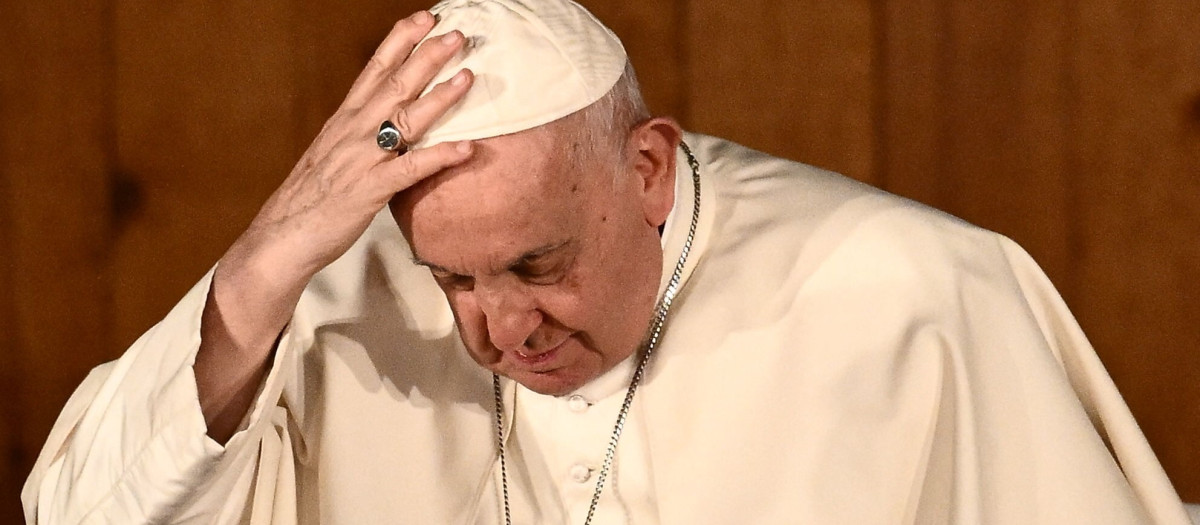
column 401, row 173
column 414, row 119
column 409, row 79
column 394, row 49
column 404, row 36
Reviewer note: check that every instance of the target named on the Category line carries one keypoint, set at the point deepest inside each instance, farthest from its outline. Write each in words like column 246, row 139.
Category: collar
column 679, row 221
column 612, row 382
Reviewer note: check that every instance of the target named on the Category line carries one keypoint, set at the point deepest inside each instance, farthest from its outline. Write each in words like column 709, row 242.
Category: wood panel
column 13, row 458
column 332, row 44
column 54, row 160
column 975, row 116
column 12, row 450
column 205, row 129
column 789, row 78
column 1139, row 192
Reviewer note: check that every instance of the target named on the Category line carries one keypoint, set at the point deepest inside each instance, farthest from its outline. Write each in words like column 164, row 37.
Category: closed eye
column 543, row 270
column 453, row 281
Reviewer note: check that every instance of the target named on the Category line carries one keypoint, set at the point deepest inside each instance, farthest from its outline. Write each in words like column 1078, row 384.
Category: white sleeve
column 131, row 445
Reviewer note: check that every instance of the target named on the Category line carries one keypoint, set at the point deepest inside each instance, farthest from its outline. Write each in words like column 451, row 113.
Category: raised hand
column 340, row 183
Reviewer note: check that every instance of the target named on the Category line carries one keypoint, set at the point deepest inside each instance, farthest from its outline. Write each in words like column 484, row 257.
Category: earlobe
column 652, row 151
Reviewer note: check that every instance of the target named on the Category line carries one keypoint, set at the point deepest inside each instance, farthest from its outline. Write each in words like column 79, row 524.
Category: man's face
column 551, row 267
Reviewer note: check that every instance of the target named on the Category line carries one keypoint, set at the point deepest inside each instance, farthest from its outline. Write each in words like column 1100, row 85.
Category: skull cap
column 535, row 61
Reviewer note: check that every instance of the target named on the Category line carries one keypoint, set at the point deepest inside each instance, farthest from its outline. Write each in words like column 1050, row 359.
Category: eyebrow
column 523, row 258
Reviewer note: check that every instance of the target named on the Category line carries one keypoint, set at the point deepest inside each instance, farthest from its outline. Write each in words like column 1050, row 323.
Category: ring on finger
column 390, row 139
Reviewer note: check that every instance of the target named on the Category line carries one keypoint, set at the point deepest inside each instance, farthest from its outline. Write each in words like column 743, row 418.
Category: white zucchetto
column 535, row 61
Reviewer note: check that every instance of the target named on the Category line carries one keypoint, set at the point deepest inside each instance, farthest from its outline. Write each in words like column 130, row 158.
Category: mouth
column 540, row 359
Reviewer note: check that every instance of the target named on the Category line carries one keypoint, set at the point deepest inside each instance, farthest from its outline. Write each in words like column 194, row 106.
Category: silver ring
column 389, row 138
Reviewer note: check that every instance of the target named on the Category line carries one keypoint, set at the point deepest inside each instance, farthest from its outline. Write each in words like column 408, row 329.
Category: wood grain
column 13, row 456
column 1139, row 152
column 54, row 161
column 975, row 117
column 332, row 44
column 205, row 130
column 789, row 78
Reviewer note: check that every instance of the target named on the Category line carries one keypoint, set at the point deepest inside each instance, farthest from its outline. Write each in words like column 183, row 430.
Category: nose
column 512, row 315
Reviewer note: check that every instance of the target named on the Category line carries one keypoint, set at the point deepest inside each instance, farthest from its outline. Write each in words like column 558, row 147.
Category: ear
column 651, row 155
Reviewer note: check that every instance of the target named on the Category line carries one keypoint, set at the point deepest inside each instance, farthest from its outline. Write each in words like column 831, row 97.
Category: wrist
column 255, row 298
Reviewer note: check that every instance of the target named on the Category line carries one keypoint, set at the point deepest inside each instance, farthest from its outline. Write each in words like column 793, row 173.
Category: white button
column 580, row 473
column 577, row 404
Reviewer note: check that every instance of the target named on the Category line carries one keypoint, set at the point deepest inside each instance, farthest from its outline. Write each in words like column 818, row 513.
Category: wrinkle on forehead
column 518, row 192
column 512, row 165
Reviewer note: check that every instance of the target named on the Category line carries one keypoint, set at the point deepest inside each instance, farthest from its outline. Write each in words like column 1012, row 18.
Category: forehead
column 518, row 193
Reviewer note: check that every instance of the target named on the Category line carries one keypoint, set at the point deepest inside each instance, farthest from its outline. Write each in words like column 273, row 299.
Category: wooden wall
column 137, row 139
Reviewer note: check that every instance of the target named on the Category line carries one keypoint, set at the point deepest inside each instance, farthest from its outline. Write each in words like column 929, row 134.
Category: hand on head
column 344, row 178
column 340, row 183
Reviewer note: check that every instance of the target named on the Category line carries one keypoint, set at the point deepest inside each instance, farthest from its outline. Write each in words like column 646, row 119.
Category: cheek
column 609, row 291
column 629, row 269
column 567, row 305
column 628, row 259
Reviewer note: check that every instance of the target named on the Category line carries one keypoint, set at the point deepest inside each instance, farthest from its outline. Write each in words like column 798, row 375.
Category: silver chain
column 500, row 445
column 656, row 326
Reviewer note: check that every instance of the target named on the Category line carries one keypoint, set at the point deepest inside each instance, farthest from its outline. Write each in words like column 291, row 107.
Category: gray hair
column 599, row 131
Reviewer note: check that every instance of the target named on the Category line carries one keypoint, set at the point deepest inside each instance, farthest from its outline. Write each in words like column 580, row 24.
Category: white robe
column 837, row 355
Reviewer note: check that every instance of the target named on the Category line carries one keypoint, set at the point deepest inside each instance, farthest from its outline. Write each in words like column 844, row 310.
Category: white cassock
column 837, row 355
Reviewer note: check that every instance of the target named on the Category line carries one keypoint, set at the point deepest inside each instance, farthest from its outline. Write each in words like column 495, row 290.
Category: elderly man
column 624, row 324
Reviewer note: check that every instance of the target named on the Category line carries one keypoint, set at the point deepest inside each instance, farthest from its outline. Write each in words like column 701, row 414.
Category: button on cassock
column 580, row 473
column 577, row 404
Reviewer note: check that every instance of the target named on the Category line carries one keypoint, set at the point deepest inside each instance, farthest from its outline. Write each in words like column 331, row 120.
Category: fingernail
column 450, row 37
column 421, row 17
column 459, row 78
column 463, row 147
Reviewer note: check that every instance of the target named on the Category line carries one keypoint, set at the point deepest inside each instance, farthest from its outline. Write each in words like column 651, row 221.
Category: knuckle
column 405, row 25
column 397, row 84
column 440, row 90
column 408, row 163
column 404, row 124
column 376, row 63
column 446, row 93
column 408, row 29
column 428, row 53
